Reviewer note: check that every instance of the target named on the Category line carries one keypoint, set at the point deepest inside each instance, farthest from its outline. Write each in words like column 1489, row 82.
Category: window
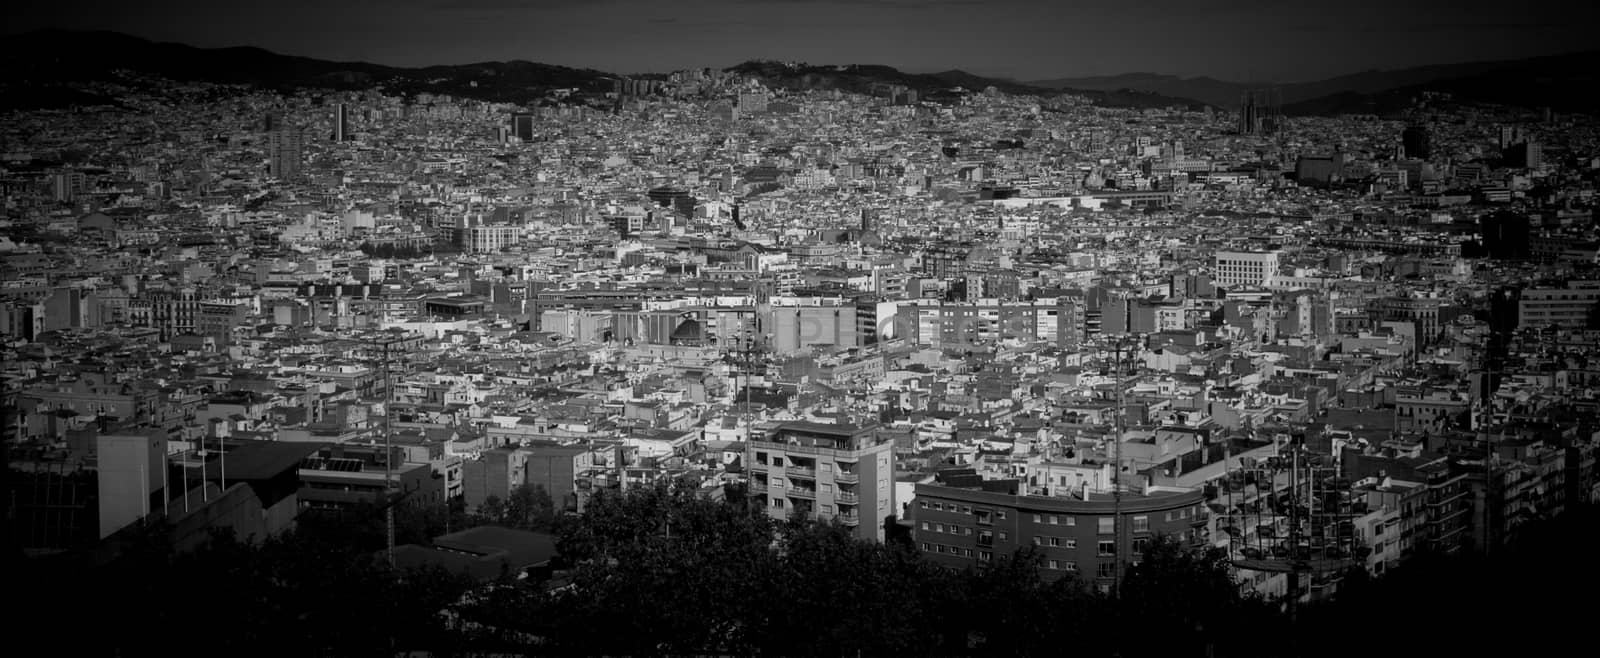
column 926, row 548
column 1055, row 541
column 969, row 531
column 986, row 538
column 941, row 548
column 1107, row 525
column 1054, row 519
column 1069, row 565
column 938, row 507
column 985, row 556
column 966, row 552
column 1038, row 542
column 983, row 517
column 1141, row 524
column 761, row 458
column 1038, row 518
column 924, row 525
column 1054, row 564
column 827, row 467
column 777, row 502
column 923, row 504
column 827, row 509
column 1169, row 517
column 1107, row 547
column 938, row 527
column 1105, row 569
column 1004, row 536
column 966, row 509
column 1000, row 514
column 1139, row 546
column 777, row 461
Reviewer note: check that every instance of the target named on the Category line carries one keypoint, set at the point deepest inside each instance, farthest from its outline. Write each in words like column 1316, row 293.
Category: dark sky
column 1241, row 40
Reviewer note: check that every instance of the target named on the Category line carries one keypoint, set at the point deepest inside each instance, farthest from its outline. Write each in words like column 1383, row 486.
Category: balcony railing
column 843, row 477
column 849, row 519
column 803, row 493
column 846, row 498
column 758, row 487
column 801, row 471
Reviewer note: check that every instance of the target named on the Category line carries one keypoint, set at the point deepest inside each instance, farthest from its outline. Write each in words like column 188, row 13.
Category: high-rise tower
column 284, row 152
column 341, row 123
column 522, row 126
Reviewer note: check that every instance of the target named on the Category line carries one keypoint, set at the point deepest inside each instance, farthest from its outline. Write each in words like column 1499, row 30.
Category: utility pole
column 1116, row 478
column 388, row 457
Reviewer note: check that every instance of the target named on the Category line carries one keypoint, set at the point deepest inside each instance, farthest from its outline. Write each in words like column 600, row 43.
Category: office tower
column 341, row 123
column 1525, row 155
column 284, row 151
column 522, row 126
column 1414, row 140
column 1532, row 155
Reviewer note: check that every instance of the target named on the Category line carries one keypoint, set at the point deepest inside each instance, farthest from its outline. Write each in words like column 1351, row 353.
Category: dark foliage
column 294, row 595
column 667, row 571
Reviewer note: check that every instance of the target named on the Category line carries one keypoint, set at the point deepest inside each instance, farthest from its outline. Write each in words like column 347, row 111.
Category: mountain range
column 1562, row 82
column 34, row 66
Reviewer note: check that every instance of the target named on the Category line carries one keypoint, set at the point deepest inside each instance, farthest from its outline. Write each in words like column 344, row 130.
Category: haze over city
column 1236, row 40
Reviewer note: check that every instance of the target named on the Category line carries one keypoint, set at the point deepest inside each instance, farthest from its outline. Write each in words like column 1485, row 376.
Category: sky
column 1237, row 40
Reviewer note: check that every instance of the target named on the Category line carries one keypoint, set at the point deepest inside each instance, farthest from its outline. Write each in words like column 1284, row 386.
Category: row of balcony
column 841, row 497
column 842, row 477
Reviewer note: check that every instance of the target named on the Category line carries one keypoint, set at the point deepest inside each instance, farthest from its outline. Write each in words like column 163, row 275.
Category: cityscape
column 305, row 357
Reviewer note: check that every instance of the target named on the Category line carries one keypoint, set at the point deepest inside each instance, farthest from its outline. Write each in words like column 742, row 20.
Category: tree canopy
column 668, row 570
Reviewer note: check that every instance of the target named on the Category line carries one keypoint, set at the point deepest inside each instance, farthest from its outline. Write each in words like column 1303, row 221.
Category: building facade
column 826, row 472
column 965, row 526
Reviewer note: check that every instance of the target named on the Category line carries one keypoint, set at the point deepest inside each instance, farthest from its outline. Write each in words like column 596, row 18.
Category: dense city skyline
column 1240, row 41
column 373, row 357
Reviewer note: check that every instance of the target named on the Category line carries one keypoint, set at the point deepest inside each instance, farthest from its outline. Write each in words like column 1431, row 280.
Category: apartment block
column 828, row 472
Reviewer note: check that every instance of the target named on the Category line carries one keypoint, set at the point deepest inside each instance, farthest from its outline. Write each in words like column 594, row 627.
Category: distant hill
column 868, row 78
column 1561, row 82
column 36, row 60
column 1369, row 90
column 1206, row 90
column 33, row 66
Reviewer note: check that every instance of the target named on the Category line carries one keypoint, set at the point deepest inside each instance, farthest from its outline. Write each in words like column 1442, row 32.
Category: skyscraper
column 522, row 126
column 284, row 153
column 1414, row 139
column 341, row 123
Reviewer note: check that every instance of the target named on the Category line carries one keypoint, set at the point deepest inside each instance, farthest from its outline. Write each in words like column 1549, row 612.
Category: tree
column 529, row 508
column 493, row 510
column 1191, row 594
